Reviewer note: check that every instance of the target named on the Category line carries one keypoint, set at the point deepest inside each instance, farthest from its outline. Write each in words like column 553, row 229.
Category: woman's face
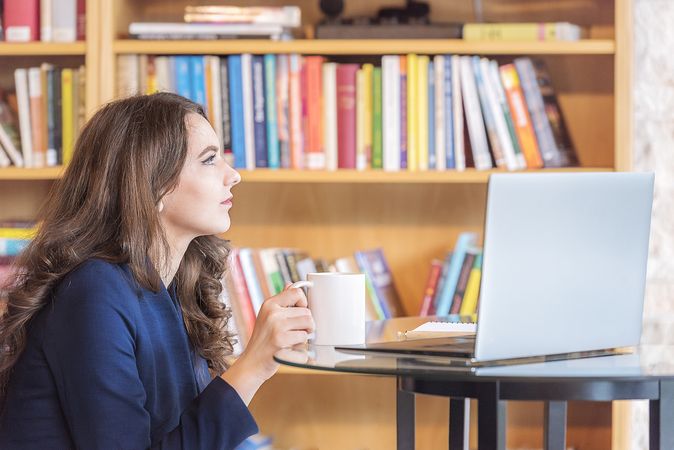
column 199, row 205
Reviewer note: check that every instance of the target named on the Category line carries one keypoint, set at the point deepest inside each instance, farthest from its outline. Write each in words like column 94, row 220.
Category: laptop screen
column 564, row 263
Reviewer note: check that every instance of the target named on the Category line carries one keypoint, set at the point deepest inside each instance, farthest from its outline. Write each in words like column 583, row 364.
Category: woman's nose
column 232, row 176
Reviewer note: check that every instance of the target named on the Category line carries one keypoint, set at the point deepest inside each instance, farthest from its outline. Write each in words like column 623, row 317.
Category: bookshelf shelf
column 470, row 176
column 17, row 173
column 41, row 48
column 365, row 47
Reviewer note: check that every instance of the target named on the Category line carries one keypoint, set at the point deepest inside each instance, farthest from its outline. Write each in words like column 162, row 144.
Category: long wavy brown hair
column 128, row 156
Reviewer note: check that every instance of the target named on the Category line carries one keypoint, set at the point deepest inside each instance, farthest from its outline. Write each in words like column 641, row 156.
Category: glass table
column 645, row 374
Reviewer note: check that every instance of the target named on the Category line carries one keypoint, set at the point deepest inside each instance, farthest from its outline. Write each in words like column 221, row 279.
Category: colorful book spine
column 226, row 111
column 330, row 115
column 391, row 112
column 368, row 113
column 248, row 115
column 521, row 118
column 346, row 116
column 236, row 111
column 474, row 119
column 412, row 117
column 282, row 108
column 457, row 114
column 431, row 117
column 314, row 151
column 404, row 114
column 487, row 114
column 470, row 297
column 431, row 285
column 295, row 99
column 259, row 119
column 421, row 150
column 22, row 20
column 273, row 153
column 67, row 114
column 377, row 137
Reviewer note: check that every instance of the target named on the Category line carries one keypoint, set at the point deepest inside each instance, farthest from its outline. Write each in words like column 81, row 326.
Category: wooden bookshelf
column 414, row 216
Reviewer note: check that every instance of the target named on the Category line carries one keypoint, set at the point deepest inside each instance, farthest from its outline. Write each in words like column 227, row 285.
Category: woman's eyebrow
column 210, row 148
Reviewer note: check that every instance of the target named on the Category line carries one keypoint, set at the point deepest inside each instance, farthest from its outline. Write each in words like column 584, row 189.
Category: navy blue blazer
column 109, row 364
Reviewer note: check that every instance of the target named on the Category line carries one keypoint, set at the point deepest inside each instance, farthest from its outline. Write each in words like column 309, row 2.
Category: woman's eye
column 209, row 160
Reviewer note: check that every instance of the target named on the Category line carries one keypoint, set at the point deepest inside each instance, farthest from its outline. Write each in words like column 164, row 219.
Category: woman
column 114, row 321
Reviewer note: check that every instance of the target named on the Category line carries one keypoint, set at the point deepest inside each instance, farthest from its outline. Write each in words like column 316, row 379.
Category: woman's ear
column 160, row 206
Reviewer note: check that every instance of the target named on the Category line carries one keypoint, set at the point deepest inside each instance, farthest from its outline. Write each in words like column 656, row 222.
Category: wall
column 654, row 151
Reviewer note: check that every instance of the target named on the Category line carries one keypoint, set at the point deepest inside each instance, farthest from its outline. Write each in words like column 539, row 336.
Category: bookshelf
column 414, row 216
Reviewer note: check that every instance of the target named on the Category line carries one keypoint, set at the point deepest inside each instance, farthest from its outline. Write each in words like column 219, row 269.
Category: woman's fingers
column 290, row 297
column 304, row 323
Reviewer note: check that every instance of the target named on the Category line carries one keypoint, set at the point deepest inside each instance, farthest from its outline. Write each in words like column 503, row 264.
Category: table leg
column 491, row 418
column 405, row 413
column 554, row 436
column 661, row 432
column 459, row 414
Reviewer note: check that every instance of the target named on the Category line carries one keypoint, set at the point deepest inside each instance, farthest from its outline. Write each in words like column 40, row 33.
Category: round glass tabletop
column 641, row 363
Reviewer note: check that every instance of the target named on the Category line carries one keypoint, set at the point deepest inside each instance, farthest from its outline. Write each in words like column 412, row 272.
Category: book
column 22, row 20
column 377, row 137
column 259, row 118
column 431, row 285
column 391, row 112
column 330, row 115
column 236, row 111
column 551, row 132
column 522, row 31
column 179, row 30
column 9, row 135
column 474, row 119
column 273, row 153
column 287, row 16
column 64, row 21
column 462, row 282
column 521, row 118
column 23, row 102
column 346, row 115
column 295, row 111
column 446, row 296
column 472, row 293
column 313, row 149
column 373, row 263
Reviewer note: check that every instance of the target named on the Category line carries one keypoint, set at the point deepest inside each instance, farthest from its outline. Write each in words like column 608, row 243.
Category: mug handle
column 301, row 284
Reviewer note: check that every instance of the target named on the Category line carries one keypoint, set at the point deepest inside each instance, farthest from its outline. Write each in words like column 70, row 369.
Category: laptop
column 563, row 274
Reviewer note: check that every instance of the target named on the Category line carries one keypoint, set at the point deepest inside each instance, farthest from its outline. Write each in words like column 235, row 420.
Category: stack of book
column 415, row 112
column 43, row 20
column 257, row 274
column 453, row 285
column 39, row 124
column 217, row 22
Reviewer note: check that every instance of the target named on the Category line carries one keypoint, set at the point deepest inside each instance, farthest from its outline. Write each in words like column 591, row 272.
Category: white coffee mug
column 337, row 303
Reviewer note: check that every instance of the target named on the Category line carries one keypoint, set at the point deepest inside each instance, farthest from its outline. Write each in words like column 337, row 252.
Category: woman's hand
column 282, row 322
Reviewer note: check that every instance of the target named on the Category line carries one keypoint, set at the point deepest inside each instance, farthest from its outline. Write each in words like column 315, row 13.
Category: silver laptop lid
column 564, row 264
